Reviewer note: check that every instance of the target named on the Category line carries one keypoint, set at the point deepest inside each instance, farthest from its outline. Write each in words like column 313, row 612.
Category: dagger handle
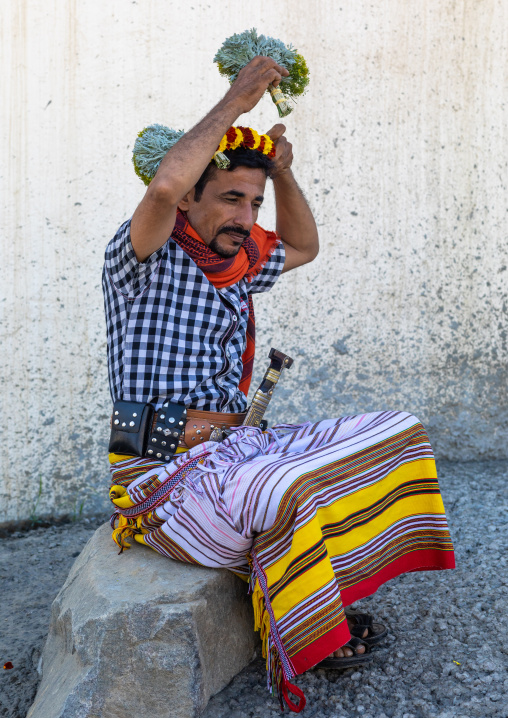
column 263, row 394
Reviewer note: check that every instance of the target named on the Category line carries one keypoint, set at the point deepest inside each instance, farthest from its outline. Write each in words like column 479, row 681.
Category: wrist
column 283, row 176
column 232, row 106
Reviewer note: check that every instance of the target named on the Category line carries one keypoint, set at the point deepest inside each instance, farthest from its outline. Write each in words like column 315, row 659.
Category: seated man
column 316, row 515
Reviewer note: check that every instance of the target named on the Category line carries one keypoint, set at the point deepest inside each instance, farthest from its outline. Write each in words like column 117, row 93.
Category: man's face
column 227, row 209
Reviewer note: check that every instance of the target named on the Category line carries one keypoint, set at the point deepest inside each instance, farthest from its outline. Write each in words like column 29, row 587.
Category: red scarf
column 221, row 272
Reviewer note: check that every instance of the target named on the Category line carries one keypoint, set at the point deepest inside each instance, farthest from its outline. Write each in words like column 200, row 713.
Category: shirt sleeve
column 267, row 277
column 129, row 277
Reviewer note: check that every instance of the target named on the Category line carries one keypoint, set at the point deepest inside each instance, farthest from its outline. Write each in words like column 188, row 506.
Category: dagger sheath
column 263, row 395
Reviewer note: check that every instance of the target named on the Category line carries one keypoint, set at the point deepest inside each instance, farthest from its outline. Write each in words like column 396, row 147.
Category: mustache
column 236, row 230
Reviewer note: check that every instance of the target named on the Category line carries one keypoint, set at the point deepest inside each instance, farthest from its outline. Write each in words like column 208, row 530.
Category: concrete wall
column 400, row 146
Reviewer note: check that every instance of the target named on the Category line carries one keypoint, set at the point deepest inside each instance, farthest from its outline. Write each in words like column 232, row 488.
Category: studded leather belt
column 205, row 425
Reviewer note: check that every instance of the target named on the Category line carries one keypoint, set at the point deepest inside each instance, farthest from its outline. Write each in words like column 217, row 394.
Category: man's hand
column 284, row 149
column 253, row 80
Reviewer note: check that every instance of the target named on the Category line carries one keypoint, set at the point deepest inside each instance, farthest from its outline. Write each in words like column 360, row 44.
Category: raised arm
column 154, row 218
column 295, row 222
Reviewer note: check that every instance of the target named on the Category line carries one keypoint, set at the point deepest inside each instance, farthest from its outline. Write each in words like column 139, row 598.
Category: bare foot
column 345, row 650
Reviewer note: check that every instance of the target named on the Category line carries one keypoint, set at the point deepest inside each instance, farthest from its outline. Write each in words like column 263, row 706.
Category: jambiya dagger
column 263, row 395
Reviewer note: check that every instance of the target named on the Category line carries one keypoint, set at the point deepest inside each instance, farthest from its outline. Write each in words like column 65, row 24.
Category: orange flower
column 248, row 137
column 231, row 135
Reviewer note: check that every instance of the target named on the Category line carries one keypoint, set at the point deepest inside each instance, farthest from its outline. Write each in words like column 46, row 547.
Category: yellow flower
column 257, row 139
column 268, row 145
column 238, row 139
column 223, row 145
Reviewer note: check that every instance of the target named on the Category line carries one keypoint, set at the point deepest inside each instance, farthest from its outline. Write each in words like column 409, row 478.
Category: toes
column 348, row 652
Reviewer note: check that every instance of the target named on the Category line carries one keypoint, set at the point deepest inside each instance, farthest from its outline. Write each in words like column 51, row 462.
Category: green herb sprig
column 239, row 49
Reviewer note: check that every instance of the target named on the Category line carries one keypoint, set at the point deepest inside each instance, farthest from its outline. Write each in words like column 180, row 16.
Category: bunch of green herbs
column 150, row 147
column 238, row 50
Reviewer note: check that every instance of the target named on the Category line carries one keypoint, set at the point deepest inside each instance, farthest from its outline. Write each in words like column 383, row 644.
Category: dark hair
column 241, row 157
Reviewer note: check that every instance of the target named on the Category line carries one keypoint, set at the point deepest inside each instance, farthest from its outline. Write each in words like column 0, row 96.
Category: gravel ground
column 446, row 656
column 33, row 566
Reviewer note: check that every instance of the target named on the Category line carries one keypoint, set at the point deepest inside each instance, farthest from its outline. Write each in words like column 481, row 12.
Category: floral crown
column 242, row 137
column 154, row 141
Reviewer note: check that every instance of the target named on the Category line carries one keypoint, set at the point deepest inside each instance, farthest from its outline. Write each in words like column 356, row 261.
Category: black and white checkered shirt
column 171, row 333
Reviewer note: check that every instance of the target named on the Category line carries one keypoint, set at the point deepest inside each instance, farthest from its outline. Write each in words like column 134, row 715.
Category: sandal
column 357, row 659
column 376, row 631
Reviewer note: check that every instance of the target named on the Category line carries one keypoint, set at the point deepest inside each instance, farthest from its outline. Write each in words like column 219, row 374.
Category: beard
column 218, row 246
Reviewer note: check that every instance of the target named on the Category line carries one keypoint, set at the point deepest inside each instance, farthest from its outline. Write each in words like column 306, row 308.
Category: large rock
column 141, row 636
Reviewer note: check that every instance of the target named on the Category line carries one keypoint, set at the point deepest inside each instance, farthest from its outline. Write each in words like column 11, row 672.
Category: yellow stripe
column 318, row 575
column 115, row 458
column 404, row 508
column 309, row 534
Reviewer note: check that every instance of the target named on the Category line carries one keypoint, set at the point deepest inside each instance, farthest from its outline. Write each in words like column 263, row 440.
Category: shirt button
column 234, row 317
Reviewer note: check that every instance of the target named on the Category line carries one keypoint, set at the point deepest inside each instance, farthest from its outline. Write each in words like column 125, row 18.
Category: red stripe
column 319, row 649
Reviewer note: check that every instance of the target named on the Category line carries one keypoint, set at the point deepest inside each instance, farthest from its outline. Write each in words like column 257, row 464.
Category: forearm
column 184, row 164
column 295, row 222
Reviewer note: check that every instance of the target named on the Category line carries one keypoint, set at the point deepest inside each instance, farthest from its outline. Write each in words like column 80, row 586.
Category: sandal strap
column 361, row 619
column 358, row 631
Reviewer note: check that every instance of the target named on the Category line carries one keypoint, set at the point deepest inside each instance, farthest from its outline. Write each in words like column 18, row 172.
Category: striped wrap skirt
column 315, row 516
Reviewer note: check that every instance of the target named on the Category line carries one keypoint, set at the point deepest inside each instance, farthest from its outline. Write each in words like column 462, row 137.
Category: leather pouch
column 130, row 427
column 170, row 424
